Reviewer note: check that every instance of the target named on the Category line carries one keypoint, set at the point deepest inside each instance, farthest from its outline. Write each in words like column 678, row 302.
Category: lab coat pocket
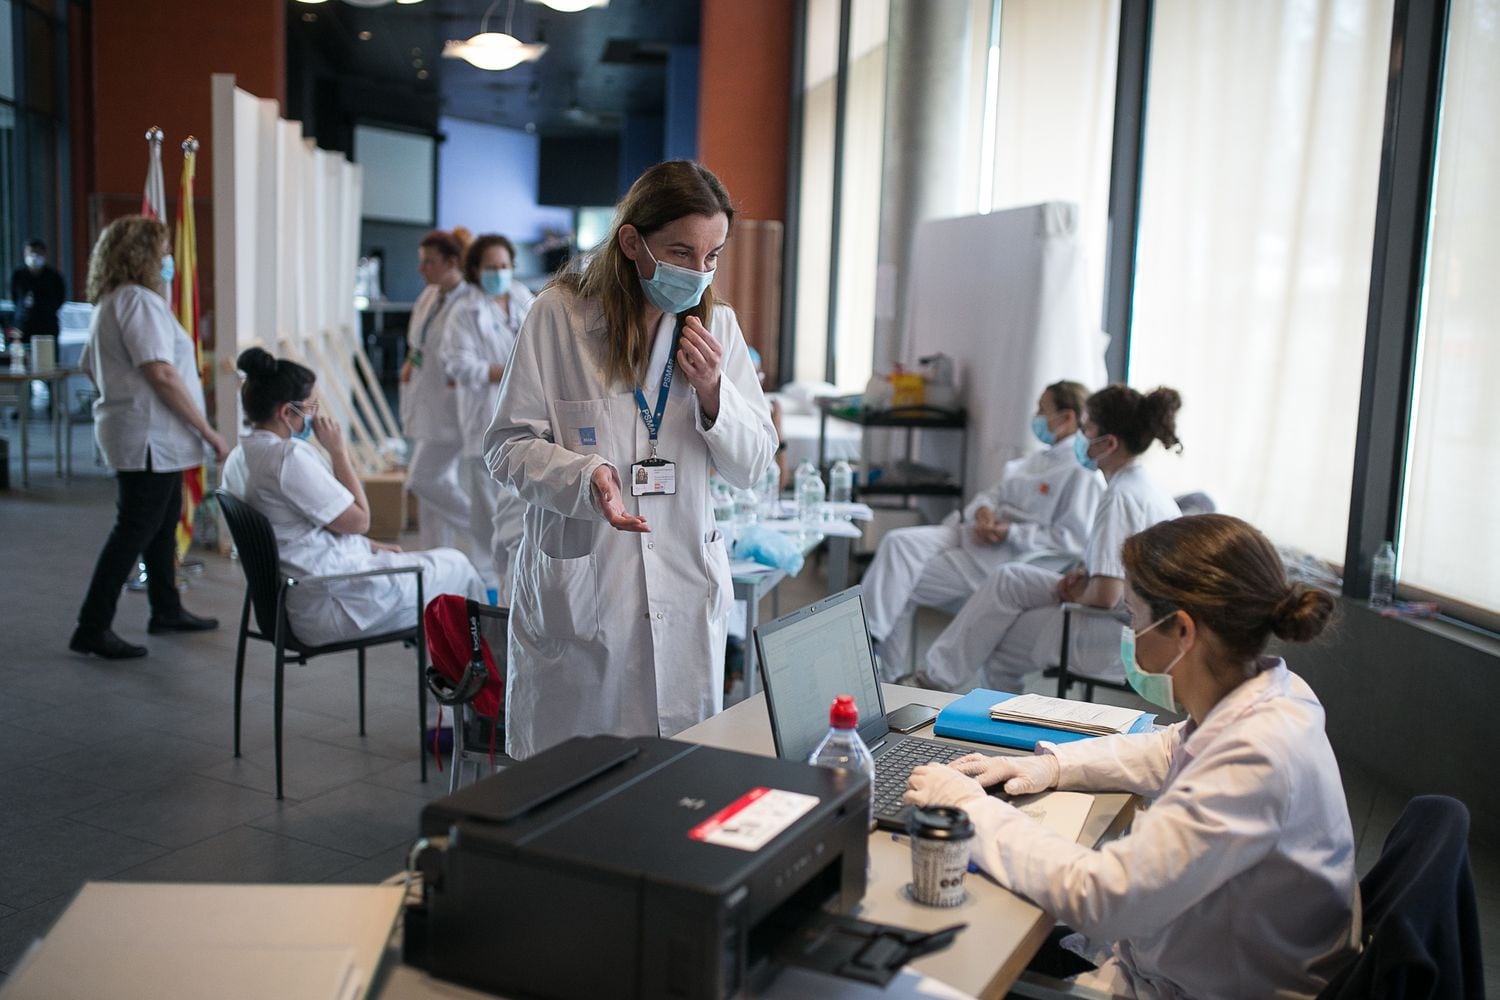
column 567, row 604
column 581, row 425
column 720, row 582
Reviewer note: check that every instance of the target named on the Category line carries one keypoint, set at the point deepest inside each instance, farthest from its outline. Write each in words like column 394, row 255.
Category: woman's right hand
column 606, row 488
column 329, row 434
column 406, row 367
column 1021, row 775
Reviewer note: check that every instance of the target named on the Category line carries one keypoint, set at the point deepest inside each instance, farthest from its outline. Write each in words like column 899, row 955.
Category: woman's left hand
column 698, row 354
column 940, row 785
column 383, row 546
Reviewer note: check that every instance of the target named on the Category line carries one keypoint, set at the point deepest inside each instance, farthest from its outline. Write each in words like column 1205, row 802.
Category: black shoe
column 181, row 620
column 104, row 644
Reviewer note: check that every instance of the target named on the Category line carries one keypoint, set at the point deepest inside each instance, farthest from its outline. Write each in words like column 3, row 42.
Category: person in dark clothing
column 38, row 290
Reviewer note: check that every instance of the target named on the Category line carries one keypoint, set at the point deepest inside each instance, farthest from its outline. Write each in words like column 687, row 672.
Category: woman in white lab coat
column 1239, row 880
column 1043, row 503
column 621, row 594
column 1010, row 624
column 429, row 403
column 480, row 336
column 319, row 513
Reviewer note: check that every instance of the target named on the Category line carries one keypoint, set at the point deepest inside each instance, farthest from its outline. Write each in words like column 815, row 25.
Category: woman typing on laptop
column 1239, row 880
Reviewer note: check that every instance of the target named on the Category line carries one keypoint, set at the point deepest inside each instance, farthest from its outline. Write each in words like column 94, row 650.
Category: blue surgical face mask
column 674, row 289
column 168, row 269
column 307, row 426
column 1155, row 688
column 1081, row 449
column 1041, row 430
column 495, row 281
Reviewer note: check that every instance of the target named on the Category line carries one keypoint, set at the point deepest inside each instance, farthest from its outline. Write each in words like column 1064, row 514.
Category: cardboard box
column 386, row 492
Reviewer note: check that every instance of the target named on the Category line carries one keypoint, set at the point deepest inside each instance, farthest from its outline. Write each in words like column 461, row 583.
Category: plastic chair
column 1420, row 918
column 266, row 588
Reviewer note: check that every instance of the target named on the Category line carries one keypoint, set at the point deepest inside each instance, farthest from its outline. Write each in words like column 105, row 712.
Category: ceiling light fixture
column 494, row 50
column 572, row 6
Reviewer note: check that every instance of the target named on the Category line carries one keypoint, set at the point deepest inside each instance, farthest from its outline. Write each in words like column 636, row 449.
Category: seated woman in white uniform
column 1044, row 502
column 1239, row 880
column 1009, row 626
column 319, row 514
column 480, row 336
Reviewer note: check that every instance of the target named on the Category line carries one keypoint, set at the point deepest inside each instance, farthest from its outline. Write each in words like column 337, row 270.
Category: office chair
column 1420, row 918
column 266, row 588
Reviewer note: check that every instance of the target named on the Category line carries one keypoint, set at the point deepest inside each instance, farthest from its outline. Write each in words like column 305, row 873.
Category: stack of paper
column 1068, row 716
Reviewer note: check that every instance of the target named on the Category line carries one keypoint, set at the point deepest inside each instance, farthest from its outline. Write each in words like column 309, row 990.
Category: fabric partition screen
column 286, row 237
column 1005, row 295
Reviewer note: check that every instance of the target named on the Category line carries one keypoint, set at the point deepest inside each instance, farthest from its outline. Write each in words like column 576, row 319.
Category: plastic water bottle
column 1383, row 576
column 723, row 504
column 745, row 503
column 842, row 747
column 810, row 495
column 841, row 483
column 804, row 469
column 769, row 489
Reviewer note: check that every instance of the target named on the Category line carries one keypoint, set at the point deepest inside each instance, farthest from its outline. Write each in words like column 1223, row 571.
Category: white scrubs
column 1012, row 623
column 1050, row 500
column 289, row 482
column 614, row 631
column 429, row 417
column 480, row 334
column 1238, row 881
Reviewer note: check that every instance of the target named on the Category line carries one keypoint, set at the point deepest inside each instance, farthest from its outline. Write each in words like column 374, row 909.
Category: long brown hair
column 128, row 252
column 1135, row 419
column 663, row 194
column 1228, row 577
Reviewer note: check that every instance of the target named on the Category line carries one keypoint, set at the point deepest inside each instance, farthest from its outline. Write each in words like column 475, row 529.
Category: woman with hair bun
column 150, row 424
column 319, row 513
column 1012, row 624
column 1239, row 881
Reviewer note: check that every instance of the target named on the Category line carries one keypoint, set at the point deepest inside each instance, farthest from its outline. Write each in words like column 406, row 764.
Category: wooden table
column 61, row 433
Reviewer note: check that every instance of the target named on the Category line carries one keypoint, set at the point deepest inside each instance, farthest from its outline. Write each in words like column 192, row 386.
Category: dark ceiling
column 600, row 65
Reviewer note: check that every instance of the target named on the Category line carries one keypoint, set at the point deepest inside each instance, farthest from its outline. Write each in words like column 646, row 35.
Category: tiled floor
column 126, row 771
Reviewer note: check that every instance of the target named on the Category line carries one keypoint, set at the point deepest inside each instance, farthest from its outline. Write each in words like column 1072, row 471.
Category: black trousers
column 146, row 513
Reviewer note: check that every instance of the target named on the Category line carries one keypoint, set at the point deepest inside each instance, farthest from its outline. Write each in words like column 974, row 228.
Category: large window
column 1450, row 539
column 815, row 193
column 1262, row 151
column 1055, row 105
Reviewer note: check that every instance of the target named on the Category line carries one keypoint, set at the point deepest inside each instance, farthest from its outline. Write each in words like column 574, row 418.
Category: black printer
column 610, row 867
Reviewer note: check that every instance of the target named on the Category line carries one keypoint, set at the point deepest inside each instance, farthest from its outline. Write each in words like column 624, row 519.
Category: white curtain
column 1262, row 153
column 1055, row 114
column 1450, row 540
column 815, row 194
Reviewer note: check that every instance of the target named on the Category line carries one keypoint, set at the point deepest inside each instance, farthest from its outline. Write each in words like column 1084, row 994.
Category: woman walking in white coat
column 480, row 336
column 429, row 404
column 1044, row 502
column 1009, row 623
column 626, row 371
column 1239, row 881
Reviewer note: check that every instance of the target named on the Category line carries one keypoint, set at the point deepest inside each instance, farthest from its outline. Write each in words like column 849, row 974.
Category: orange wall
column 151, row 65
column 742, row 101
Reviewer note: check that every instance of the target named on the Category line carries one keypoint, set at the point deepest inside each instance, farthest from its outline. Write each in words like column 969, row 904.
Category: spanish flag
column 185, row 297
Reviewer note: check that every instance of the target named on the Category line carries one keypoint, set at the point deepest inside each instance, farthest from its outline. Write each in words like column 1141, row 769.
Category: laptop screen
column 811, row 657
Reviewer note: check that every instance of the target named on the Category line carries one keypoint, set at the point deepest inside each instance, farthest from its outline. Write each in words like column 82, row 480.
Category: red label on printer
column 754, row 819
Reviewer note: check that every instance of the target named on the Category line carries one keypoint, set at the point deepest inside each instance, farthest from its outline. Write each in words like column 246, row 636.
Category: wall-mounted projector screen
column 398, row 174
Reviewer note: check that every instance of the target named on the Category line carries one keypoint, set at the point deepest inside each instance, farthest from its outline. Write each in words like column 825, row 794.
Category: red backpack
column 462, row 669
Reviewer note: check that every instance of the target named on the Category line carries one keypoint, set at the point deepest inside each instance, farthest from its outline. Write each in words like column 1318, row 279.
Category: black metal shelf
column 933, row 418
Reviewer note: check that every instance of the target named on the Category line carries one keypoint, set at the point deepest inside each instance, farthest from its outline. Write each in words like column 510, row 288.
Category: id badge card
column 653, row 477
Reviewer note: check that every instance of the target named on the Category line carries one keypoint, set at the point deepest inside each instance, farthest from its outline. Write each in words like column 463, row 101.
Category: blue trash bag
column 776, row 549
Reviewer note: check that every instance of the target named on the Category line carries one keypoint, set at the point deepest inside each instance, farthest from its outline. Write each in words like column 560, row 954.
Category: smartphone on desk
column 910, row 717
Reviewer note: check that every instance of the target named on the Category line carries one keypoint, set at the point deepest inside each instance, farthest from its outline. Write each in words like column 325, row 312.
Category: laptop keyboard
column 893, row 767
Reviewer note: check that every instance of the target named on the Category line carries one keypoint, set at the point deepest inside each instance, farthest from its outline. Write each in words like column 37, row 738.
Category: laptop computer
column 810, row 657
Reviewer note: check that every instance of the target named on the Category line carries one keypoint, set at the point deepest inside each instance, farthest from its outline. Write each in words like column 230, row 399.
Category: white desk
column 1004, row 931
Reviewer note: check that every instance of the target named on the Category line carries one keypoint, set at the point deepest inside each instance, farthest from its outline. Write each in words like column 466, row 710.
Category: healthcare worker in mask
column 1012, row 623
column 480, row 337
column 629, row 381
column 1043, row 503
column 1239, row 880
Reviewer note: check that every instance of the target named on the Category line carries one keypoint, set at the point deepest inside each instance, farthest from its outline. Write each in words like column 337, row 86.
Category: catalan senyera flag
column 185, row 296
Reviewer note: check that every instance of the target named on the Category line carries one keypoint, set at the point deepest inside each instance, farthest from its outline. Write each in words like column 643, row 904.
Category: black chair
column 1420, row 918
column 1073, row 614
column 475, row 737
column 266, row 588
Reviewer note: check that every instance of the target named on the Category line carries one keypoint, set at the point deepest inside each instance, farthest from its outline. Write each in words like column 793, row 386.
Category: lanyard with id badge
column 654, row 475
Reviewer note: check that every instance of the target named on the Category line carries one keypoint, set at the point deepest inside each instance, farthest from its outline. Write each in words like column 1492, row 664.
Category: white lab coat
column 479, row 333
column 290, row 483
column 1238, row 881
column 613, row 631
column 429, row 404
column 1050, row 500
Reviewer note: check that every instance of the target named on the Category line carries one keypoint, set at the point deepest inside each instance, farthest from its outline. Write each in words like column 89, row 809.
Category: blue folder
column 968, row 718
